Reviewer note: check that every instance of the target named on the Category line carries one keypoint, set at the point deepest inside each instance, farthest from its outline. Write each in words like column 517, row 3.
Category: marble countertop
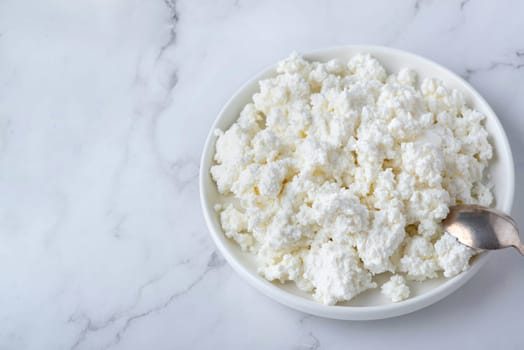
column 104, row 109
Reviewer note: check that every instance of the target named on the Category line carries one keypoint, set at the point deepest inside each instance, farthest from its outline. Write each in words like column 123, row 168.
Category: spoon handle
column 520, row 248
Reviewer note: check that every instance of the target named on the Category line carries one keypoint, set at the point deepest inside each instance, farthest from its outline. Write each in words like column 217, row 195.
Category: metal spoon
column 483, row 228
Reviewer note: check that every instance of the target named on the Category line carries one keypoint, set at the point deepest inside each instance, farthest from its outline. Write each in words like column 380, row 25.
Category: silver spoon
column 483, row 228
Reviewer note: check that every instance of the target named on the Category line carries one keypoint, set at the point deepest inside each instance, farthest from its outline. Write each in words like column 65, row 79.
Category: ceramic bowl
column 370, row 304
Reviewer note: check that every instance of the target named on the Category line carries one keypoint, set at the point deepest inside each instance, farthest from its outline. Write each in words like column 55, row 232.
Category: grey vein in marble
column 91, row 326
column 213, row 263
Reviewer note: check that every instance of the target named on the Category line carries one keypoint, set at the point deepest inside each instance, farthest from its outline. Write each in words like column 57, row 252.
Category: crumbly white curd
column 339, row 172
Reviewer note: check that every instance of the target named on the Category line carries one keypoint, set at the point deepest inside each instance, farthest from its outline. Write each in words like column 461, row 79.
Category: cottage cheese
column 338, row 172
column 396, row 288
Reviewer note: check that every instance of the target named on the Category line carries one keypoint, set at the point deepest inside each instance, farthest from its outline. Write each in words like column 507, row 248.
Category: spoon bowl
column 482, row 227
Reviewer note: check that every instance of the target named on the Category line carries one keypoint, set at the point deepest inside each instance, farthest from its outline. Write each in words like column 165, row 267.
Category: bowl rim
column 344, row 312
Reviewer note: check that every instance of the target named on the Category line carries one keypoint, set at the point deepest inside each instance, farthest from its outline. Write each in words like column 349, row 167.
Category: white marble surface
column 104, row 108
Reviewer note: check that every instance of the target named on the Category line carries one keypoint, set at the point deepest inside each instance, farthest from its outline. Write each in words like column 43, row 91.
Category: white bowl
column 370, row 304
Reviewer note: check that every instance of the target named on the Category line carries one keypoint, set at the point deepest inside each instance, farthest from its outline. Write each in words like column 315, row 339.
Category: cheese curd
column 396, row 288
column 337, row 172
